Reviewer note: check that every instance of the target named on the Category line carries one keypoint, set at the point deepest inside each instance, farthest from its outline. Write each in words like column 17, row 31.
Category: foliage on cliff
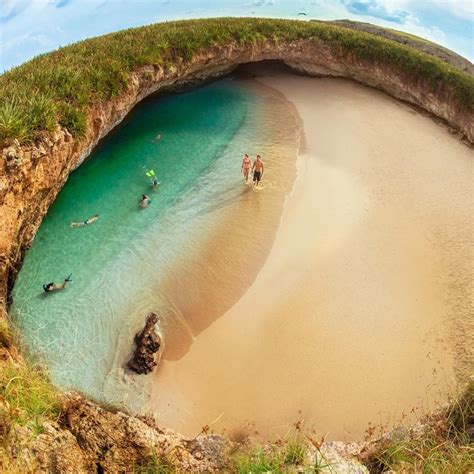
column 444, row 443
column 58, row 87
column 27, row 398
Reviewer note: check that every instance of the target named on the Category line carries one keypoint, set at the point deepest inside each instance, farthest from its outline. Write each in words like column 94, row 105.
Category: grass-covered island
column 55, row 108
column 58, row 87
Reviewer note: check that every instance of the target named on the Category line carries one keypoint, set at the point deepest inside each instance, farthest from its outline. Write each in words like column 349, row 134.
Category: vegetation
column 26, row 398
column 6, row 337
column 285, row 456
column 444, row 445
column 59, row 87
column 155, row 464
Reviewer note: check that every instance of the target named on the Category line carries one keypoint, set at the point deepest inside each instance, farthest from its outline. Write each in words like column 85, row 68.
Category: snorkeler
column 257, row 170
column 49, row 287
column 246, row 165
column 144, row 201
column 154, row 179
column 86, row 222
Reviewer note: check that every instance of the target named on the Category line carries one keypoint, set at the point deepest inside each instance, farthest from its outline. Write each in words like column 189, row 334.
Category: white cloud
column 461, row 8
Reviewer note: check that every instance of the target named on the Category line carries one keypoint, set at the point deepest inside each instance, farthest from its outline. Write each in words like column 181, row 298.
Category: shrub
column 295, row 451
column 444, row 445
column 29, row 396
column 13, row 122
column 74, row 119
column 258, row 461
column 155, row 464
column 42, row 113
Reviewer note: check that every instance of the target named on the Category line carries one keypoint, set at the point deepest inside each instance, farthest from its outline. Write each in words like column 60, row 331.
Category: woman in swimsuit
column 246, row 165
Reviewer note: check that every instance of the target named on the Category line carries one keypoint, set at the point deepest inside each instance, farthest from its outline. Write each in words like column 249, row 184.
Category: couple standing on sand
column 257, row 169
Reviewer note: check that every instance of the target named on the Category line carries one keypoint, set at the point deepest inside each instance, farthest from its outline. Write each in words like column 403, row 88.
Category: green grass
column 445, row 445
column 6, row 335
column 258, row 460
column 28, row 397
column 58, row 87
column 295, row 451
column 155, row 464
column 284, row 456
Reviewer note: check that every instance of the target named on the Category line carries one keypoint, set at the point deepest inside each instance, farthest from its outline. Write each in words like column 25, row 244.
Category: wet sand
column 363, row 309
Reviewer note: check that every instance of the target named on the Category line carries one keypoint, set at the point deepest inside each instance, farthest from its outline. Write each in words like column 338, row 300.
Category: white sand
column 366, row 293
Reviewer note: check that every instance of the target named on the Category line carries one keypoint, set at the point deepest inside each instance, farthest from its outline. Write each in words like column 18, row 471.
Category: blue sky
column 32, row 27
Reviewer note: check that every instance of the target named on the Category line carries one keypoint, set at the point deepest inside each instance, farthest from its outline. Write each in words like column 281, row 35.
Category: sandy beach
column 361, row 311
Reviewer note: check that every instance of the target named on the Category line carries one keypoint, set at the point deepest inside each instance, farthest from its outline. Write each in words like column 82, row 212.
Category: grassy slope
column 58, row 87
column 402, row 35
column 444, row 445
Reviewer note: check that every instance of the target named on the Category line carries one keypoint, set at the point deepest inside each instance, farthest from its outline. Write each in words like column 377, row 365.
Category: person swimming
column 154, row 179
column 88, row 221
column 50, row 287
column 144, row 201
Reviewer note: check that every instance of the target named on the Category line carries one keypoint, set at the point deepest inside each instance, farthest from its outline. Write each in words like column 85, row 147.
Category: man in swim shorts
column 257, row 169
column 246, row 165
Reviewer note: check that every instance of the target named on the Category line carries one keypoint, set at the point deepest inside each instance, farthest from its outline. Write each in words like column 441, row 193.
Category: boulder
column 147, row 345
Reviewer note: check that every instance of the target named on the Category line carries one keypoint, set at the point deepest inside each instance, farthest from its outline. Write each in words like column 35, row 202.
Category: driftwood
column 148, row 344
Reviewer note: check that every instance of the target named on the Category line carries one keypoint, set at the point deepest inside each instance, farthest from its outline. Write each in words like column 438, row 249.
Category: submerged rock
column 148, row 344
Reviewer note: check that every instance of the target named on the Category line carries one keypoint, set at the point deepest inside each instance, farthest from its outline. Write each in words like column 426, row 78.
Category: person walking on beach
column 246, row 165
column 257, row 169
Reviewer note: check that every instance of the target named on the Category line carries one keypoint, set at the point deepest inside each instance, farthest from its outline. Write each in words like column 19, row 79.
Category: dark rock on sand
column 148, row 344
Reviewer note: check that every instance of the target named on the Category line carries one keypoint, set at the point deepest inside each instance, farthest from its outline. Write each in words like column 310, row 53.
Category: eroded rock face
column 89, row 438
column 148, row 343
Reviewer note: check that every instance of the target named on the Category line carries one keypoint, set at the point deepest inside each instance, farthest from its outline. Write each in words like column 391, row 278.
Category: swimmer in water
column 86, row 222
column 154, row 180
column 144, row 201
column 257, row 169
column 246, row 165
column 50, row 287
column 158, row 137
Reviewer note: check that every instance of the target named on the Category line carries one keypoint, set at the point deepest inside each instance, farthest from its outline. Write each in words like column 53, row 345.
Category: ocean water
column 118, row 262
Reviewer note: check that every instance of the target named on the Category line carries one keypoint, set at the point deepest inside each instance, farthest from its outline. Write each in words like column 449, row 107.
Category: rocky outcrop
column 89, row 438
column 147, row 345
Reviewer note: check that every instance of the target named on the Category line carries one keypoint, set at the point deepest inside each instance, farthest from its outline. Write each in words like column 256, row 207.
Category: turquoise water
column 117, row 262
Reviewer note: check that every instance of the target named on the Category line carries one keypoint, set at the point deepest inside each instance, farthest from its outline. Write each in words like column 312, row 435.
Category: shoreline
column 267, row 337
